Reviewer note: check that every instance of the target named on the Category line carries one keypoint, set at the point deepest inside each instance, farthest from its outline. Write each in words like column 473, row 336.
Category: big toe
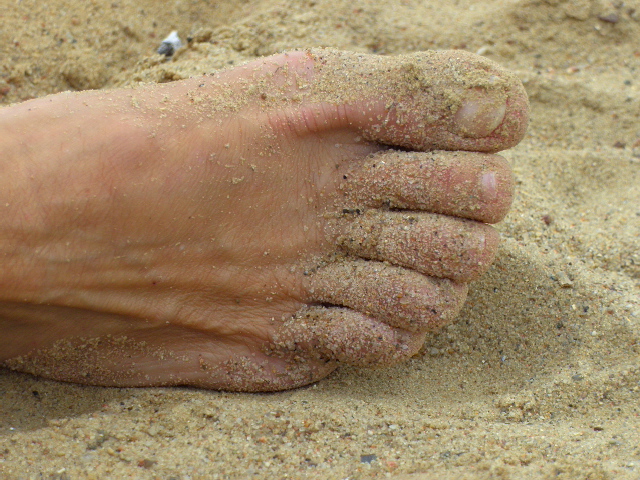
column 449, row 100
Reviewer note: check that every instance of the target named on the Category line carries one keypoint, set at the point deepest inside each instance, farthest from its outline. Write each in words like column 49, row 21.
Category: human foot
column 252, row 229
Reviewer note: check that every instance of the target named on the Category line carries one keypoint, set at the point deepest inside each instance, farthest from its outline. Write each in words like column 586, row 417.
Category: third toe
column 435, row 245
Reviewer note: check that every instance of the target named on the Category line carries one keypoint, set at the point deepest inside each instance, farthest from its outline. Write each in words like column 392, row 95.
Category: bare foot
column 252, row 229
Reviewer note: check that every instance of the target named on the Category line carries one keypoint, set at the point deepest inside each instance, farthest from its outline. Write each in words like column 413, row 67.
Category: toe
column 463, row 184
column 449, row 100
column 436, row 100
column 436, row 245
column 401, row 297
column 346, row 336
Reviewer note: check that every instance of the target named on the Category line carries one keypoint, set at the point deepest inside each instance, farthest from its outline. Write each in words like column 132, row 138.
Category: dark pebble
column 609, row 18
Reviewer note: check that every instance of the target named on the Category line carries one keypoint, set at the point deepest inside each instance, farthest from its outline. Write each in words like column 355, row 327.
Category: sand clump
column 540, row 375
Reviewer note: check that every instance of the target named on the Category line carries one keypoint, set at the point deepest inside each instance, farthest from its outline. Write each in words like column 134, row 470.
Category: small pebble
column 170, row 45
column 368, row 458
column 564, row 280
column 609, row 18
column 146, row 463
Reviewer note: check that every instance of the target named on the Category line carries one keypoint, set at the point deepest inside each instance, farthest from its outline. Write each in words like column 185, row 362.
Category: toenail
column 489, row 185
column 479, row 116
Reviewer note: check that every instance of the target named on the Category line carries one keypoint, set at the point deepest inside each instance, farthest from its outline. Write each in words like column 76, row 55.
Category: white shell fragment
column 170, row 44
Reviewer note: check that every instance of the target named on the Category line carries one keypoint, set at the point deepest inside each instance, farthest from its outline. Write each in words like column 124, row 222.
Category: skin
column 253, row 229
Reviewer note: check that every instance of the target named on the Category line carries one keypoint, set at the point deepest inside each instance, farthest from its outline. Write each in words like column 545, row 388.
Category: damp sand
column 539, row 377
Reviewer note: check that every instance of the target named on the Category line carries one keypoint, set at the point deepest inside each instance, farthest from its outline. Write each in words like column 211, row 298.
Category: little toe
column 401, row 297
column 435, row 245
column 469, row 185
column 344, row 335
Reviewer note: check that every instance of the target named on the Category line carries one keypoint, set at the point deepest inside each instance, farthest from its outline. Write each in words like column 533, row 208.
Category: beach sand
column 540, row 375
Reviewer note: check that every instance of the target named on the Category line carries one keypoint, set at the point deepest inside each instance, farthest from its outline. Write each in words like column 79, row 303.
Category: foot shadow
column 30, row 403
column 521, row 330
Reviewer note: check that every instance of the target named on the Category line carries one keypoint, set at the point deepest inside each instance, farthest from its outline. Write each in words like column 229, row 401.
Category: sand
column 540, row 375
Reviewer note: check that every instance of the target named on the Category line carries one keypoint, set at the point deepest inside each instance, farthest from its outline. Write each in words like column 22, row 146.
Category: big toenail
column 479, row 116
column 489, row 185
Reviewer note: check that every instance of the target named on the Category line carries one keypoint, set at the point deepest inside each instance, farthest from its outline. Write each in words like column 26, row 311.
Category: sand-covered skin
column 540, row 375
